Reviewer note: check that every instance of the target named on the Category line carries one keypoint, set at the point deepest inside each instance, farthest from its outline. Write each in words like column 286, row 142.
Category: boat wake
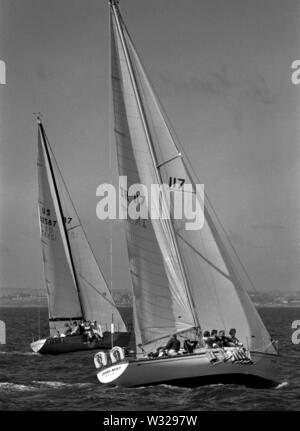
column 10, row 387
column 172, row 387
column 19, row 353
column 282, row 385
column 39, row 385
column 60, row 385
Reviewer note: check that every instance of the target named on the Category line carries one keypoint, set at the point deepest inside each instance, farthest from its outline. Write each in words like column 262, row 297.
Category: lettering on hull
column 112, row 373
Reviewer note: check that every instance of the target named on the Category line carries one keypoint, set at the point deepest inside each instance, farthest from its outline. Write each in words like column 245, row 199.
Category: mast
column 45, row 145
column 170, row 226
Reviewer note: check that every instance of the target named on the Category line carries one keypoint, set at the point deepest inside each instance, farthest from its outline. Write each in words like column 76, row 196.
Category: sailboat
column 184, row 281
column 76, row 288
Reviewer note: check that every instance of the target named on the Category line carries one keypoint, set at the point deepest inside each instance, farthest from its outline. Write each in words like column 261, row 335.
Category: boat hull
column 194, row 370
column 74, row 343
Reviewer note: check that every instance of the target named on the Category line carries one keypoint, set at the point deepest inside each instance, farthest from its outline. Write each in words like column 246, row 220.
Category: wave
column 59, row 385
column 40, row 385
column 282, row 385
column 7, row 386
column 172, row 387
column 20, row 353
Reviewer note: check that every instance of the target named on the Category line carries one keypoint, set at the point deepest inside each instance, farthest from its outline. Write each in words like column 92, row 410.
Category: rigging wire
column 110, row 173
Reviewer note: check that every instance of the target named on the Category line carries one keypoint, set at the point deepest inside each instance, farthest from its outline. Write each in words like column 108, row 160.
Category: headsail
column 76, row 287
column 160, row 302
column 199, row 263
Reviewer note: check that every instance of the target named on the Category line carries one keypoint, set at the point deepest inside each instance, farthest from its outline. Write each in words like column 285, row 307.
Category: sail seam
column 147, row 260
column 142, row 248
column 147, row 271
column 168, row 161
column 120, row 133
column 145, row 279
column 73, row 227
column 148, row 302
column 93, row 287
column 205, row 259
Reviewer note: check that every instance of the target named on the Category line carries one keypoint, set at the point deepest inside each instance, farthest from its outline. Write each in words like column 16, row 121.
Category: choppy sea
column 33, row 382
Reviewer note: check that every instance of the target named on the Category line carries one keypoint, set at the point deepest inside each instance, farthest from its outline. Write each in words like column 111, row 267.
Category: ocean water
column 32, row 382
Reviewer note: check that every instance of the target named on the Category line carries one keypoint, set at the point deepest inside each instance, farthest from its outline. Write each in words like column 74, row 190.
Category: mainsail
column 75, row 285
column 182, row 279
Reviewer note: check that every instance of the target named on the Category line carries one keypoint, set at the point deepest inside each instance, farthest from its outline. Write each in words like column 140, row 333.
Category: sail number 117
column 176, row 182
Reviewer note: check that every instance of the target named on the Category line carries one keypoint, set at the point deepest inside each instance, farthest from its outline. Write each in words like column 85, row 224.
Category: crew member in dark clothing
column 190, row 345
column 214, row 337
column 214, row 333
column 173, row 345
column 81, row 327
column 222, row 340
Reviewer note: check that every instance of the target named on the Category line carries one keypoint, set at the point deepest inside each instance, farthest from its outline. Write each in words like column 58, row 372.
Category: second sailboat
column 76, row 289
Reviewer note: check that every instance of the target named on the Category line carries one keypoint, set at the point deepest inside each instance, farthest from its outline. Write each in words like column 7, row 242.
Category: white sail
column 76, row 287
column 209, row 266
column 63, row 301
column 161, row 306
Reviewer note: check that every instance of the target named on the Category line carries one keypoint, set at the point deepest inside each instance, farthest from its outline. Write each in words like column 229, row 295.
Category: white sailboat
column 184, row 281
column 76, row 288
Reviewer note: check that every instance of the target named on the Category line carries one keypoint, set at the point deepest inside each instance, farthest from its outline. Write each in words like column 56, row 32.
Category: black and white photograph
column 149, row 208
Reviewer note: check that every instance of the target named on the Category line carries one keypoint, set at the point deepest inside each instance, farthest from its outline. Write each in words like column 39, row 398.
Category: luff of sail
column 75, row 285
column 211, row 269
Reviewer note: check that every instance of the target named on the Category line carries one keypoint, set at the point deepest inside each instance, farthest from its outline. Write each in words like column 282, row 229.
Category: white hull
column 192, row 370
column 55, row 346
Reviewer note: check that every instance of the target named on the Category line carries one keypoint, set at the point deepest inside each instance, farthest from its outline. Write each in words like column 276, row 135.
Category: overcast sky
column 222, row 70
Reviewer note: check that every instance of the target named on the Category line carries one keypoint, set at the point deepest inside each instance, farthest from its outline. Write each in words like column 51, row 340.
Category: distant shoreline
column 20, row 305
